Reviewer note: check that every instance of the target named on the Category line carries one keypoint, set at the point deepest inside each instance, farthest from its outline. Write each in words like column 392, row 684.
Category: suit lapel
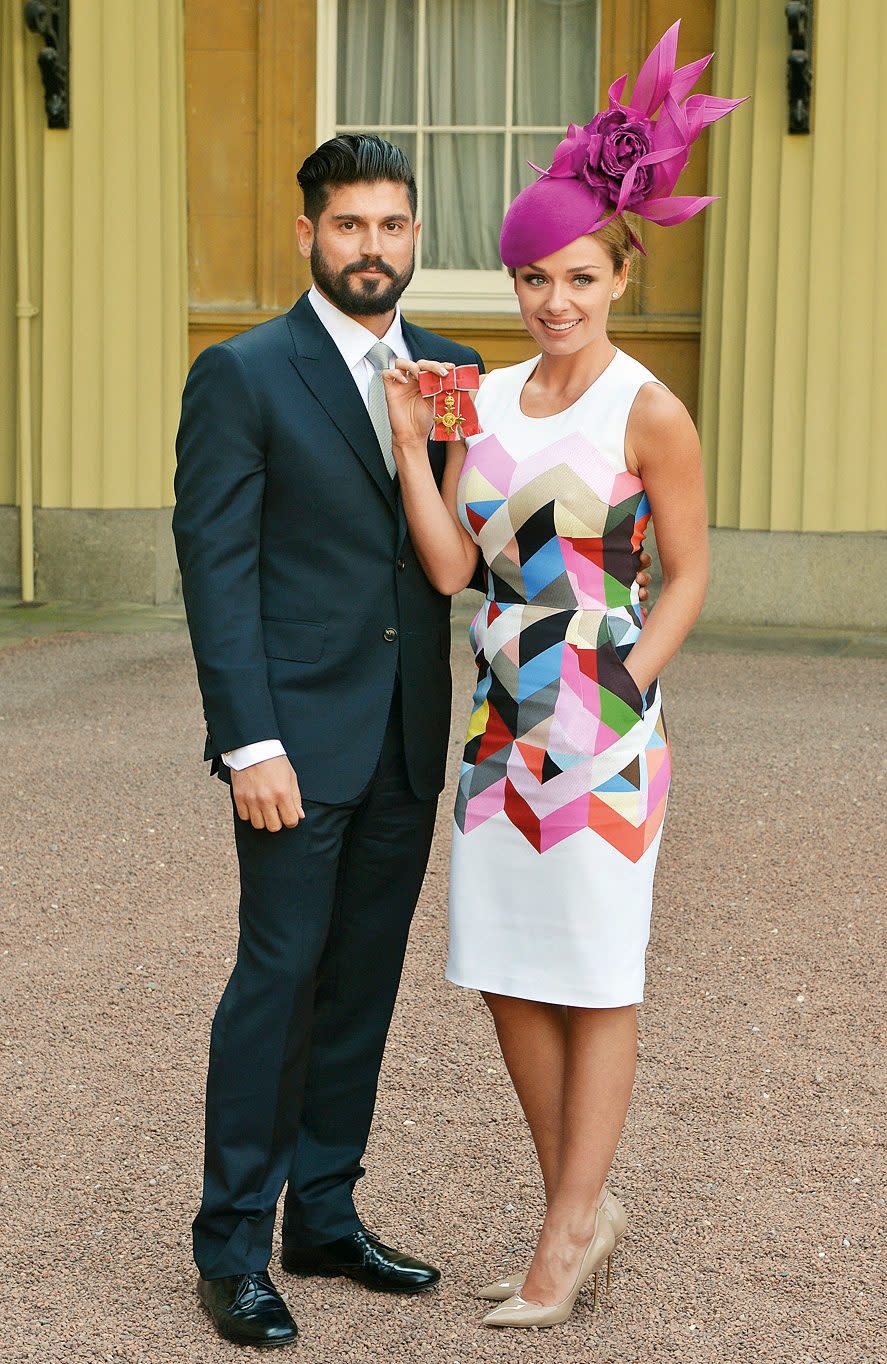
column 420, row 343
column 415, row 348
column 318, row 360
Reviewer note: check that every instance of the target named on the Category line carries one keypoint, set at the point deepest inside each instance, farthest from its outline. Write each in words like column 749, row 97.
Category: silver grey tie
column 380, row 357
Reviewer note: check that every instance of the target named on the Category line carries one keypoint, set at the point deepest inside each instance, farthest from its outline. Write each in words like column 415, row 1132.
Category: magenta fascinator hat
column 624, row 159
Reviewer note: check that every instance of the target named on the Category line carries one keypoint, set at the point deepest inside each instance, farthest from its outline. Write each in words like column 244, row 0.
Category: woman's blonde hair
column 616, row 240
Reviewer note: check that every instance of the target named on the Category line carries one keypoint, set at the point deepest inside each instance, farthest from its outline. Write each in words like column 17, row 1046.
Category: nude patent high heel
column 517, row 1311
column 504, row 1288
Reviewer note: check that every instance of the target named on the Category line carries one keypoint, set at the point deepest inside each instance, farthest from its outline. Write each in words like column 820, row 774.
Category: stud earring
column 615, row 295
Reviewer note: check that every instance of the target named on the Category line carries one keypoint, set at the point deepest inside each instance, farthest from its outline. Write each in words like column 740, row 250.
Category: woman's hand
column 643, row 578
column 410, row 414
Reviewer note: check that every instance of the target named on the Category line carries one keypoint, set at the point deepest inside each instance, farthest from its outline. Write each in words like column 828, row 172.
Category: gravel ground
column 750, row 1162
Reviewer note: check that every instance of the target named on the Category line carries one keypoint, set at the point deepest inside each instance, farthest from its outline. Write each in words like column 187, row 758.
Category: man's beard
column 360, row 298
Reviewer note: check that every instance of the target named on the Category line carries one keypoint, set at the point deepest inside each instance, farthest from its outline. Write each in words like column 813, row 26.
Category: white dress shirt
column 352, row 341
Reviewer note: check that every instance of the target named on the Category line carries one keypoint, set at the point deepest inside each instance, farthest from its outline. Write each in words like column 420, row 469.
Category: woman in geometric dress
column 565, row 776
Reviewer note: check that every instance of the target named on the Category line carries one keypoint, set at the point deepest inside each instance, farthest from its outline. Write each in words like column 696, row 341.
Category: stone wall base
column 86, row 554
column 826, row 581
column 822, row 580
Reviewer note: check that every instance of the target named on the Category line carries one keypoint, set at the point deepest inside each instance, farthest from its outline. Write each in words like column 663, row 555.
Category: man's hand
column 643, row 577
column 267, row 794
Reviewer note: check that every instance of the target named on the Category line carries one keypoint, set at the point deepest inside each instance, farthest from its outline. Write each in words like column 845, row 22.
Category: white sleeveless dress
column 565, row 777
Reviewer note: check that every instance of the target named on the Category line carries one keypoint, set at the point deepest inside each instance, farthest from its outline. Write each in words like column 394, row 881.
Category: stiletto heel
column 609, row 1264
column 502, row 1289
column 518, row 1312
column 594, row 1303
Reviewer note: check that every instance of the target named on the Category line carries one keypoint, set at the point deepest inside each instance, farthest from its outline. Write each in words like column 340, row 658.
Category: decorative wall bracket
column 799, row 14
column 50, row 18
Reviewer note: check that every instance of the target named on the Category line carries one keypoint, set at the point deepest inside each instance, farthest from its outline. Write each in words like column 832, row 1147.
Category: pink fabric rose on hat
column 616, row 143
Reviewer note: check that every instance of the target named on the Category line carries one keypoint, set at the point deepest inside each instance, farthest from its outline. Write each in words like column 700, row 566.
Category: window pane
column 555, row 61
column 377, row 62
column 535, row 147
column 465, row 61
column 462, row 201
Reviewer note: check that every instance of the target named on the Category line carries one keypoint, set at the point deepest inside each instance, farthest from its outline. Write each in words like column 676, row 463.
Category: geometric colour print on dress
column 560, row 739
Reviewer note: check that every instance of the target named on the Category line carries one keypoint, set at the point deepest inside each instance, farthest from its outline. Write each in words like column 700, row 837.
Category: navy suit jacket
column 303, row 592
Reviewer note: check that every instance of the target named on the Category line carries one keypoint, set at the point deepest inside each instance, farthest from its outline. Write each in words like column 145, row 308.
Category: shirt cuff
column 249, row 754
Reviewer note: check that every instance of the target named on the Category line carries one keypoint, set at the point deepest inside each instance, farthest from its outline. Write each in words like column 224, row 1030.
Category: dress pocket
column 613, row 672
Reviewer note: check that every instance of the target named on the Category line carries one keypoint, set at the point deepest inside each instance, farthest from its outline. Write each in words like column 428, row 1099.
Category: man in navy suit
column 322, row 654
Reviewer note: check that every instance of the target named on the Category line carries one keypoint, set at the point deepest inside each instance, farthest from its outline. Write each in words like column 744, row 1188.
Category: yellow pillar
column 13, row 289
column 794, row 342
column 115, row 310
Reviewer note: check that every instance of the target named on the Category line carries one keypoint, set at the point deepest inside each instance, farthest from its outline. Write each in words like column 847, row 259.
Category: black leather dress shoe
column 363, row 1257
column 248, row 1309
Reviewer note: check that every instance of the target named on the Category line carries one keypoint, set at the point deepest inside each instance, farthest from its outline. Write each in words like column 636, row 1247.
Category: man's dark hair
column 349, row 159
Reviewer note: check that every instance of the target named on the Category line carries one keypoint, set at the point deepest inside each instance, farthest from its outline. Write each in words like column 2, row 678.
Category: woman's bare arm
column 444, row 548
column 662, row 442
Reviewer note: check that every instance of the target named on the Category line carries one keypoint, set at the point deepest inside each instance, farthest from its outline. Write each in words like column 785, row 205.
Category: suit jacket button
column 391, row 634
column 401, row 565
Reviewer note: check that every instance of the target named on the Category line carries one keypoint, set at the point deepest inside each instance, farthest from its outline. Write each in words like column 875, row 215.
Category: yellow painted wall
column 108, row 260
column 10, row 13
column 793, row 399
column 115, row 262
column 250, row 78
